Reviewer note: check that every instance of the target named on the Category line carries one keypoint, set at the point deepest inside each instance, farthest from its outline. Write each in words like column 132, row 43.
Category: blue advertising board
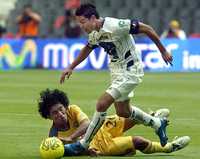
column 59, row 53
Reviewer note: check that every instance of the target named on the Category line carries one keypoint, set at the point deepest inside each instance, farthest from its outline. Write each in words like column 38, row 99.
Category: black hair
column 48, row 98
column 87, row 10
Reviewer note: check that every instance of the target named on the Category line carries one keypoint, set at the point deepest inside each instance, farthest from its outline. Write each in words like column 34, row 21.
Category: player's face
column 27, row 10
column 58, row 114
column 88, row 25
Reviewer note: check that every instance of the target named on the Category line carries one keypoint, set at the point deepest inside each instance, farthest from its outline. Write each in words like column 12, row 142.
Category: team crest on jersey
column 94, row 37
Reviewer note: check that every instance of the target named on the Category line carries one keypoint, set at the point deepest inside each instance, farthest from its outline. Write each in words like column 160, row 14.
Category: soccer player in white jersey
column 115, row 36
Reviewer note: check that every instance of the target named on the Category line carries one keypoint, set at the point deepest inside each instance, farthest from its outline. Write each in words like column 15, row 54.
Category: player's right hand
column 65, row 74
column 167, row 57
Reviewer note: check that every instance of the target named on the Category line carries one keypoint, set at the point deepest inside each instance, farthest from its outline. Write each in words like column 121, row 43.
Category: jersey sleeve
column 118, row 27
column 79, row 114
column 121, row 27
column 92, row 46
column 134, row 28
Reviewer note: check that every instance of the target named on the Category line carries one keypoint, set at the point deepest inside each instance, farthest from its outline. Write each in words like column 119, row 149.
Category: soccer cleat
column 160, row 113
column 161, row 132
column 180, row 143
column 74, row 149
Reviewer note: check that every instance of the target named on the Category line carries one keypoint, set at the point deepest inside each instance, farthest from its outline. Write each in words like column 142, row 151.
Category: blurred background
column 157, row 13
column 44, row 33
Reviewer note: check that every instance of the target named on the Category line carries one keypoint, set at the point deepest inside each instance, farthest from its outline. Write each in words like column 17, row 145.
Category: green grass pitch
column 22, row 129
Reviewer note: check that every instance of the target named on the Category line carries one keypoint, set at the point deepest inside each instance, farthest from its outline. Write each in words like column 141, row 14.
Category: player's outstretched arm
column 82, row 56
column 78, row 133
column 149, row 31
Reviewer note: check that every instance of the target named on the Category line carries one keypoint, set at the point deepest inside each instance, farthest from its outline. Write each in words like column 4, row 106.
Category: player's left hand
column 167, row 57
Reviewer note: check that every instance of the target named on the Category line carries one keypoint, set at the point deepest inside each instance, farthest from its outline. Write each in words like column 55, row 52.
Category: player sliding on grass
column 70, row 123
column 115, row 36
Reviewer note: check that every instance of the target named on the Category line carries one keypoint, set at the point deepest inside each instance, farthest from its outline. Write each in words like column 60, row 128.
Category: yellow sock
column 155, row 147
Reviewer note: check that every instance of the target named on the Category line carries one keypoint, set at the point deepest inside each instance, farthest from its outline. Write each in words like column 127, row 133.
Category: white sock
column 144, row 118
column 95, row 124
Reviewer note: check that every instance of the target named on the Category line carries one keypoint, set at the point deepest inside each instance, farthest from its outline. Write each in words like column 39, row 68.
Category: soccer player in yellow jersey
column 70, row 124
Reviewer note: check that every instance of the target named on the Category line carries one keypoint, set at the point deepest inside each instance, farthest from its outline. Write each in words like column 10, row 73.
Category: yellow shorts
column 110, row 140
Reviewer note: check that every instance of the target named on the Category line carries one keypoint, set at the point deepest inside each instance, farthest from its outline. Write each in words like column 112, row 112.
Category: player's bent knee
column 140, row 143
column 123, row 114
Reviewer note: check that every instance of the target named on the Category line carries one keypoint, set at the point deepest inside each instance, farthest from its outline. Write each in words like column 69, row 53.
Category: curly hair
column 48, row 98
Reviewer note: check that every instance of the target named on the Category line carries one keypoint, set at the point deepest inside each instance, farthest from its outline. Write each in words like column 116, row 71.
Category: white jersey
column 125, row 66
column 115, row 38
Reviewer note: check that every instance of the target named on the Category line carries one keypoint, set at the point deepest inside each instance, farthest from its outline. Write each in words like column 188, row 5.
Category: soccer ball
column 51, row 148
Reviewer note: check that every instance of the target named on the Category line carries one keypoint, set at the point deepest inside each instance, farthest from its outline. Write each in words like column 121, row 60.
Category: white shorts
column 123, row 81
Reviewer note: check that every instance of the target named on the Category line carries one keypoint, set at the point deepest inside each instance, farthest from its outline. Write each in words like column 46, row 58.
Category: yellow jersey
column 74, row 116
column 109, row 140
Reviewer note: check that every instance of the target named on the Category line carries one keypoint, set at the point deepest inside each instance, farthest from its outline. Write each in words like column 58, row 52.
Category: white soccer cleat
column 160, row 113
column 179, row 143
